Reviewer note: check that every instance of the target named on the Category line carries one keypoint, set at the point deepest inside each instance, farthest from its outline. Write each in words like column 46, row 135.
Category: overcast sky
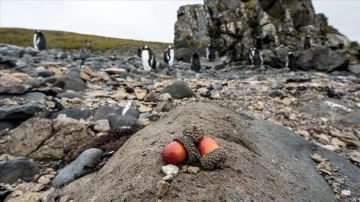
column 151, row 20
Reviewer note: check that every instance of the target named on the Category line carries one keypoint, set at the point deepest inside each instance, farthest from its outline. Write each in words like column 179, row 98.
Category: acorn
column 213, row 156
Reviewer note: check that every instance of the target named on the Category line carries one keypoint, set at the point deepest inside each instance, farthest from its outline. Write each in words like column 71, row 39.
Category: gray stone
column 70, row 95
column 20, row 111
column 118, row 121
column 355, row 69
column 67, row 83
column 102, row 112
column 178, row 90
column 19, row 168
column 82, row 165
column 75, row 113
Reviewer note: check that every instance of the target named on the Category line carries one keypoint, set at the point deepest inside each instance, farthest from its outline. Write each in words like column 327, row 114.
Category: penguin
column 39, row 40
column 290, row 61
column 258, row 59
column 195, row 62
column 139, row 51
column 251, row 55
column 258, row 43
column 148, row 59
column 210, row 53
column 307, row 43
column 169, row 56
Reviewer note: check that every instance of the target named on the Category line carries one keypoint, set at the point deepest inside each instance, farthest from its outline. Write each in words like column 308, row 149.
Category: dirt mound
column 265, row 162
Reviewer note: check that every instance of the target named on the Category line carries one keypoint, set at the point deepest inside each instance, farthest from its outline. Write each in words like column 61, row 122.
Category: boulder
column 178, row 90
column 68, row 83
column 265, row 161
column 44, row 139
column 19, row 168
column 20, row 111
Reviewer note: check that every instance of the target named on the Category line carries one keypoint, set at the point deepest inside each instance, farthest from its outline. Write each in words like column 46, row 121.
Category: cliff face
column 232, row 25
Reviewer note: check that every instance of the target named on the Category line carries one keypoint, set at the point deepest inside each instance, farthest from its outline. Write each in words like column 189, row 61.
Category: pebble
column 43, row 180
column 168, row 178
column 193, row 170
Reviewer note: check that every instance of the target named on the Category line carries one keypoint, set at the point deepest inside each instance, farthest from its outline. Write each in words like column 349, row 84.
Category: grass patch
column 69, row 40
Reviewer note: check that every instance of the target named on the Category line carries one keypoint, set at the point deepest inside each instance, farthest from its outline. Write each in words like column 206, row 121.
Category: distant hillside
column 70, row 40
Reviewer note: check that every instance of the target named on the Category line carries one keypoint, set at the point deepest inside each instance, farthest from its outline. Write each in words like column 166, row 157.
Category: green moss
column 354, row 45
column 69, row 40
column 249, row 5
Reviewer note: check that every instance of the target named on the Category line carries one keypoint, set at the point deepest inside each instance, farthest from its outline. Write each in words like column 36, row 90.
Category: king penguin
column 39, row 40
column 307, row 43
column 258, row 59
column 148, row 59
column 169, row 56
column 195, row 62
column 290, row 61
column 210, row 53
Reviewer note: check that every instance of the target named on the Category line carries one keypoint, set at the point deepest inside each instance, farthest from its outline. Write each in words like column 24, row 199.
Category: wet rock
column 82, row 164
column 19, row 168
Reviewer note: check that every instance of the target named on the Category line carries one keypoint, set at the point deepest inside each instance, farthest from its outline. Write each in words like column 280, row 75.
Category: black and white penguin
column 169, row 55
column 251, row 55
column 39, row 40
column 290, row 61
column 148, row 59
column 258, row 59
column 307, row 43
column 258, row 43
column 195, row 62
column 210, row 53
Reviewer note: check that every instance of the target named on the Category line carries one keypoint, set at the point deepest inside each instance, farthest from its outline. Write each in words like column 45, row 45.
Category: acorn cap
column 194, row 133
column 193, row 153
column 214, row 159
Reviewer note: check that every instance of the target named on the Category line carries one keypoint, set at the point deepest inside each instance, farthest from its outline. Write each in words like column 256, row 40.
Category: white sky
column 151, row 20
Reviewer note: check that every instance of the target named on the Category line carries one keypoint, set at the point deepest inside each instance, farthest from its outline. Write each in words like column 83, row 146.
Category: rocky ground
column 94, row 90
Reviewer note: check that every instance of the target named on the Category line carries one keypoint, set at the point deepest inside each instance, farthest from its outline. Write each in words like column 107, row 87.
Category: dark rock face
column 19, row 168
column 265, row 161
column 232, row 27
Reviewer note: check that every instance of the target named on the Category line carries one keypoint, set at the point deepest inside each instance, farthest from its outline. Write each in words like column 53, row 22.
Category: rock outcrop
column 232, row 26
